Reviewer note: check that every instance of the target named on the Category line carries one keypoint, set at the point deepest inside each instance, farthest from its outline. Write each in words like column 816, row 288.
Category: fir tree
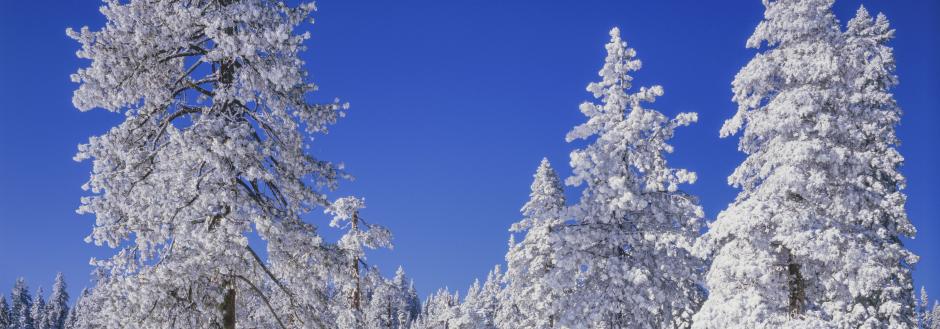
column 38, row 310
column 6, row 320
column 58, row 307
column 813, row 238
column 630, row 245
column 21, row 304
column 530, row 297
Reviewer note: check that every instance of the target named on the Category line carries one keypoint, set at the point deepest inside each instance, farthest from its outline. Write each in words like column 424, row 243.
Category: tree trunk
column 228, row 307
column 356, row 297
column 795, row 284
column 226, row 77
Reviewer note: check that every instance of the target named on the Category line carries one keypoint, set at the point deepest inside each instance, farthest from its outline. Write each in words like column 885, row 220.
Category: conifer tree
column 6, row 321
column 530, row 297
column 212, row 149
column 38, row 310
column 81, row 310
column 813, row 238
column 359, row 236
column 21, row 304
column 630, row 245
column 441, row 310
column 57, row 308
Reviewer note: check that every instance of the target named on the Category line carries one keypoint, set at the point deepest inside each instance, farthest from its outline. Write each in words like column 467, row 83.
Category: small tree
column 57, row 309
column 21, row 304
column 38, row 310
column 530, row 297
column 441, row 311
column 359, row 236
column 6, row 320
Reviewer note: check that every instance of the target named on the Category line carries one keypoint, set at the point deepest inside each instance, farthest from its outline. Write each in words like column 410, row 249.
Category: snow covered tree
column 409, row 303
column 927, row 317
column 20, row 305
column 480, row 306
column 6, row 320
column 813, row 238
column 630, row 245
column 38, row 310
column 81, row 311
column 359, row 236
column 390, row 304
column 211, row 150
column 58, row 307
column 529, row 298
column 440, row 311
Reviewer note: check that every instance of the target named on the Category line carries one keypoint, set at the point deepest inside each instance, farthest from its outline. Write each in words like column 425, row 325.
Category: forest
column 201, row 188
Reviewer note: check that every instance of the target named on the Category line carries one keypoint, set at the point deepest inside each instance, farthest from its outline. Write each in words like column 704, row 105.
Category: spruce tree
column 21, row 304
column 530, row 297
column 6, row 321
column 38, row 310
column 813, row 238
column 630, row 245
column 57, row 308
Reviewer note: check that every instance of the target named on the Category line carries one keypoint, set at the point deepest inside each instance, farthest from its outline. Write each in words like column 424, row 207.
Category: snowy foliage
column 530, row 297
column 359, row 235
column 38, row 310
column 389, row 304
column 440, row 311
column 211, row 151
column 813, row 238
column 6, row 320
column 630, row 245
column 57, row 308
column 21, row 303
column 479, row 307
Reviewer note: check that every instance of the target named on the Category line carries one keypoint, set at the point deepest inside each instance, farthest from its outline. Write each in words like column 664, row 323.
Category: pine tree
column 440, row 311
column 216, row 121
column 38, row 310
column 529, row 299
column 58, row 307
column 630, row 245
column 6, row 320
column 21, row 304
column 812, row 240
column 78, row 315
column 409, row 305
column 479, row 307
column 390, row 303
column 359, row 236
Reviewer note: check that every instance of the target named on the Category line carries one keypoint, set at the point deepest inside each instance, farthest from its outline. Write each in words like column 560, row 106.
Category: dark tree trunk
column 228, row 307
column 795, row 284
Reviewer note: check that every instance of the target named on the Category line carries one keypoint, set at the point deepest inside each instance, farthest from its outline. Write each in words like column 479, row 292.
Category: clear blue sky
column 453, row 105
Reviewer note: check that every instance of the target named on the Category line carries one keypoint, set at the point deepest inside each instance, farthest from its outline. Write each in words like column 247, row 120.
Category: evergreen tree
column 479, row 307
column 38, row 310
column 813, row 238
column 212, row 149
column 440, row 311
column 630, row 245
column 21, row 304
column 6, row 320
column 409, row 305
column 530, row 297
column 58, row 307
column 390, row 303
column 77, row 318
column 359, row 236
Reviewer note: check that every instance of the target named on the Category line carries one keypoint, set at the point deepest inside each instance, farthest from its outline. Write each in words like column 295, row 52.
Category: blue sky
column 453, row 105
